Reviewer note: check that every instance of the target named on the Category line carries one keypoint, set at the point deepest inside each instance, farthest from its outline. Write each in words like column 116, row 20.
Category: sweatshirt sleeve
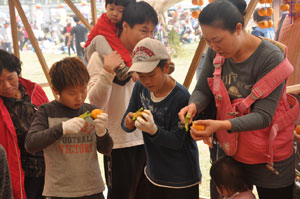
column 105, row 144
column 40, row 135
column 101, row 81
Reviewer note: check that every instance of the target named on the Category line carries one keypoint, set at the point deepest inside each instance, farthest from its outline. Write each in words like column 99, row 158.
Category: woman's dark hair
column 258, row 18
column 123, row 3
column 228, row 173
column 224, row 14
column 139, row 13
column 10, row 62
column 70, row 71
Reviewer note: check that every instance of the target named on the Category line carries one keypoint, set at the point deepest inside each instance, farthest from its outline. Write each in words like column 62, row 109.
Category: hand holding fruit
column 297, row 133
column 190, row 109
column 73, row 125
column 129, row 122
column 101, row 123
column 146, row 123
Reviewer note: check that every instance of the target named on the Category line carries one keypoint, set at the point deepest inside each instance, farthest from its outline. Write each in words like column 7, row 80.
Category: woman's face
column 9, row 84
column 221, row 41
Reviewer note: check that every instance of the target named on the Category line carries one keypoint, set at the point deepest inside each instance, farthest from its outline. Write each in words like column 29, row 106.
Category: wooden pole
column 202, row 45
column 78, row 14
column 34, row 42
column 14, row 31
column 94, row 11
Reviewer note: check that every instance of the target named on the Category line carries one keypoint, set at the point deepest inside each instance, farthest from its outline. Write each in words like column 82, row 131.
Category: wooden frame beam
column 34, row 42
column 94, row 11
column 78, row 14
column 14, row 31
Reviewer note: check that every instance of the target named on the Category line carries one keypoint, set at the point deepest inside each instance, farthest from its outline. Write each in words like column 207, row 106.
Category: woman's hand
column 112, row 61
column 190, row 109
column 211, row 126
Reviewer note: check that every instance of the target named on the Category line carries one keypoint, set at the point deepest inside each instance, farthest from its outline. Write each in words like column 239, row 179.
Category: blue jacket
column 172, row 155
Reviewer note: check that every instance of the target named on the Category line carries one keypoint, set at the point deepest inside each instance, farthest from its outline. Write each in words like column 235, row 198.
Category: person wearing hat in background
column 172, row 168
column 5, row 38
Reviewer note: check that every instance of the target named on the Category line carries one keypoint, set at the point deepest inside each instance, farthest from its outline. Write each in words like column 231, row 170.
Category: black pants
column 95, row 196
column 34, row 187
column 156, row 192
column 279, row 193
column 124, row 173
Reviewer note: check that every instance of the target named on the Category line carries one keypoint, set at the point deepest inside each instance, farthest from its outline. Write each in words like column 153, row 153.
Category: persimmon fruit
column 198, row 127
column 96, row 112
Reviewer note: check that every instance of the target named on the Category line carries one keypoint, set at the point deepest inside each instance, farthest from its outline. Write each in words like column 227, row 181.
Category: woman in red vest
column 246, row 76
column 19, row 100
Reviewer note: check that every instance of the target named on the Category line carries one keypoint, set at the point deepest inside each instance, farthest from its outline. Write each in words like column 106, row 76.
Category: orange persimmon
column 262, row 1
column 96, row 112
column 198, row 127
column 297, row 6
column 297, row 129
column 270, row 24
column 195, row 14
column 262, row 12
column 285, row 7
column 262, row 24
column 269, row 11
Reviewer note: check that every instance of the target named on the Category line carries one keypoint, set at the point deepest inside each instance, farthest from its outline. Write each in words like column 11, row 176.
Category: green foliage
column 174, row 43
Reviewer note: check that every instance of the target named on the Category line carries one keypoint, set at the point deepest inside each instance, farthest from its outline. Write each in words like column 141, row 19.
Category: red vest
column 274, row 143
column 8, row 137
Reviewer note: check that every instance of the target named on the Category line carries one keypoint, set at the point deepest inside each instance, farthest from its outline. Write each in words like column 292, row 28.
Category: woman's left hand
column 211, row 126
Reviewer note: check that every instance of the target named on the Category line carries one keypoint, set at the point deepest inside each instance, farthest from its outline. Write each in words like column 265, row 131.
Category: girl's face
column 114, row 13
column 9, row 84
column 221, row 41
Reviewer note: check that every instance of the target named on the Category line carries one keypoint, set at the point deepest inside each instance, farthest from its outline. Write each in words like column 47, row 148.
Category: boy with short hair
column 172, row 155
column 70, row 143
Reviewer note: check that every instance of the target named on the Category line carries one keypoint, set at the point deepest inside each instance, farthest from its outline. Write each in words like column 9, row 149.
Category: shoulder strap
column 267, row 84
column 279, row 26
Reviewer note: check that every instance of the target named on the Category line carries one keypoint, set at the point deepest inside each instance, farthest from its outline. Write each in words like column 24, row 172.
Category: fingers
column 182, row 114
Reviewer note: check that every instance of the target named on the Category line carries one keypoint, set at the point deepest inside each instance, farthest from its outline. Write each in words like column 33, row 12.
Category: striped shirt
column 290, row 36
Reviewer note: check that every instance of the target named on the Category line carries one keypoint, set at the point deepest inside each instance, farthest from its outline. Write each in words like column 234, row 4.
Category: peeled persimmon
column 270, row 24
column 297, row 129
column 195, row 14
column 195, row 2
column 269, row 11
column 96, row 112
column 262, row 24
column 198, row 127
column 262, row 12
column 297, row 6
column 284, row 7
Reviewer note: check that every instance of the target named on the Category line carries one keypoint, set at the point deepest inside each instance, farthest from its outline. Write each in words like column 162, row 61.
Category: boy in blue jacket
column 172, row 167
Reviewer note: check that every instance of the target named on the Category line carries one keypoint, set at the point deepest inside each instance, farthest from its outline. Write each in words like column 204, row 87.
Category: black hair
column 228, row 173
column 224, row 14
column 70, row 71
column 258, row 18
column 161, row 63
column 123, row 3
column 139, row 13
column 9, row 62
column 76, row 19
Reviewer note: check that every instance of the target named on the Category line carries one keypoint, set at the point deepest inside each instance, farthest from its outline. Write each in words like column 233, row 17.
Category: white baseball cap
column 147, row 54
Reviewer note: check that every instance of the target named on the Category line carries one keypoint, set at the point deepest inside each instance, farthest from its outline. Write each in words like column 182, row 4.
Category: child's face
column 73, row 97
column 114, row 13
column 155, row 80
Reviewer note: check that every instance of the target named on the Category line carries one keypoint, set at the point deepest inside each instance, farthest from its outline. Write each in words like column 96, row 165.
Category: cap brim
column 143, row 67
